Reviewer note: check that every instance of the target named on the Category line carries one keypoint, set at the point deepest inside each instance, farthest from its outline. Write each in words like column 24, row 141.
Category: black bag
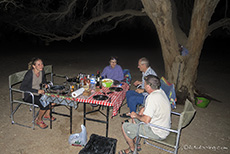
column 99, row 145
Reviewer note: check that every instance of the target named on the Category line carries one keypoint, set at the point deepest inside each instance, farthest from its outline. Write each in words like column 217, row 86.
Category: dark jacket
column 27, row 83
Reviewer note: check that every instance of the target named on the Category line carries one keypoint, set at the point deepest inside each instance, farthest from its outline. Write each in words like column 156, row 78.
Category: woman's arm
column 104, row 73
column 120, row 73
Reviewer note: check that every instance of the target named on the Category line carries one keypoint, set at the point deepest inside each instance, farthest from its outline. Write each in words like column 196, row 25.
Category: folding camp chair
column 127, row 77
column 173, row 138
column 16, row 94
column 169, row 91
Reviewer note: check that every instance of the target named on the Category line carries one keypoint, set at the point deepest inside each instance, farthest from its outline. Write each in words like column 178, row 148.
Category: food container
column 201, row 102
column 107, row 83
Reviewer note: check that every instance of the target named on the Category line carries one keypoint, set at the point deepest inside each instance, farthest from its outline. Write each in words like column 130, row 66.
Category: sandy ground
column 209, row 132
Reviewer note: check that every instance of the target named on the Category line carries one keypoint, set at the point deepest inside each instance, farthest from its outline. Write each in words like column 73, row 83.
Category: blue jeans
column 133, row 98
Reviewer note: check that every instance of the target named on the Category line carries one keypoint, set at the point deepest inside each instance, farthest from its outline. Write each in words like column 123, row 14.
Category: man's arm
column 144, row 118
column 136, row 83
column 139, row 91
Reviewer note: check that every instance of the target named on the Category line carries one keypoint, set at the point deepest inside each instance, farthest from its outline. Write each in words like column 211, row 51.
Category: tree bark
column 181, row 70
column 160, row 12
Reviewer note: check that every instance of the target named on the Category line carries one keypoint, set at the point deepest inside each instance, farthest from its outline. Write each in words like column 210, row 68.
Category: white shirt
column 158, row 108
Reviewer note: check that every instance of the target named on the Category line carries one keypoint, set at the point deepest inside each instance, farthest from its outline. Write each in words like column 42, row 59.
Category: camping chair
column 127, row 77
column 169, row 91
column 14, row 85
column 173, row 138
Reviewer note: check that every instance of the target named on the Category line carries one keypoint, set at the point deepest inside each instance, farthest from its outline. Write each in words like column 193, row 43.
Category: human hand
column 133, row 115
column 139, row 90
column 136, row 83
column 41, row 91
column 141, row 111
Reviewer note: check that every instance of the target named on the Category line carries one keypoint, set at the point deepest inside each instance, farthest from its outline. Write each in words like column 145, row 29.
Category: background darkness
column 139, row 33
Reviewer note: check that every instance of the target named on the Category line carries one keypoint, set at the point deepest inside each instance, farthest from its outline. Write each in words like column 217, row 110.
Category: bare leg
column 39, row 120
column 47, row 112
column 128, row 140
column 40, row 115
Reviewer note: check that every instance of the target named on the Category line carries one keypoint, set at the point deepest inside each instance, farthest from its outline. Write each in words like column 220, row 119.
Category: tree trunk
column 180, row 70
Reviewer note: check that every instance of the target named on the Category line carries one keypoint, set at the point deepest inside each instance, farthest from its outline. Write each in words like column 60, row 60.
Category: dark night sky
column 125, row 36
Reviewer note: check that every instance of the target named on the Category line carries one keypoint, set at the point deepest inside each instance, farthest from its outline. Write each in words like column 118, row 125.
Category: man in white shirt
column 157, row 111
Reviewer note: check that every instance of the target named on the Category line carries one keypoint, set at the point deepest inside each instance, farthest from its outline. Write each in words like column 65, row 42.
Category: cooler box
column 99, row 145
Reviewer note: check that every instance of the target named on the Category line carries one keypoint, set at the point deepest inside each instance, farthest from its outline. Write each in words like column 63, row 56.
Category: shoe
column 123, row 152
column 124, row 115
column 47, row 118
column 41, row 124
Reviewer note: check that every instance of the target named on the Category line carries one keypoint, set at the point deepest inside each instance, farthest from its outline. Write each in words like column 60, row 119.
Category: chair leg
column 177, row 142
column 13, row 111
column 136, row 144
column 33, row 127
column 33, row 121
column 34, row 116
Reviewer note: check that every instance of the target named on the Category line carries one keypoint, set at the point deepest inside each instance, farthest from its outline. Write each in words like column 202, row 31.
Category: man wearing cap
column 157, row 111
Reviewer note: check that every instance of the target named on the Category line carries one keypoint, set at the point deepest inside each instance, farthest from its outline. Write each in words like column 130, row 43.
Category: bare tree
column 54, row 20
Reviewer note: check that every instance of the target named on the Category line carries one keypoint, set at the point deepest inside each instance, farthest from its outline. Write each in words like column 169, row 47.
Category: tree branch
column 8, row 2
column 63, row 14
column 53, row 37
column 225, row 22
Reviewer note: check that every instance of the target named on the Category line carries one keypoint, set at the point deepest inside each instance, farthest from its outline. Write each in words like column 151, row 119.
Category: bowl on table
column 107, row 83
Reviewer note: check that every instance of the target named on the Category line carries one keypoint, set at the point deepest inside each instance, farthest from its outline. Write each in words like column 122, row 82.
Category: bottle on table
column 92, row 82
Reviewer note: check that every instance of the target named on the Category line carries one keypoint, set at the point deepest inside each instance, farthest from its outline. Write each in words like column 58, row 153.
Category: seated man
column 157, row 111
column 135, row 97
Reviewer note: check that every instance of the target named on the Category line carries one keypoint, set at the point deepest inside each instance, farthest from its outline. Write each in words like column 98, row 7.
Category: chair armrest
column 160, row 127
column 60, row 76
column 175, row 113
column 21, row 91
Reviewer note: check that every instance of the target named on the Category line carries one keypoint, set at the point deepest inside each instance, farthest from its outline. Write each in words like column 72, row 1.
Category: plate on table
column 57, row 87
column 117, row 89
column 100, row 97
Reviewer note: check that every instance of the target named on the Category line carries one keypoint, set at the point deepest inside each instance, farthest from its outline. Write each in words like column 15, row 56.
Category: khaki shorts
column 131, row 130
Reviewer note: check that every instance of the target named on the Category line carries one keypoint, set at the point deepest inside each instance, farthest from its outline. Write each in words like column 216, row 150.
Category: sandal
column 123, row 152
column 139, row 147
column 48, row 118
column 41, row 124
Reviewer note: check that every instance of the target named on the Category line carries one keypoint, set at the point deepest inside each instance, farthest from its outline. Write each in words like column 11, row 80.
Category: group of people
column 156, row 108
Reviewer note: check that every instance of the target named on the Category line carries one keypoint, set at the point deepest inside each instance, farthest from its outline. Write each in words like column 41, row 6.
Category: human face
column 142, row 67
column 148, row 88
column 113, row 63
column 38, row 67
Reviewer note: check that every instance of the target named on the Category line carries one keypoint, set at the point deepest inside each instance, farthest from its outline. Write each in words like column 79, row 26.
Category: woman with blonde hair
column 32, row 82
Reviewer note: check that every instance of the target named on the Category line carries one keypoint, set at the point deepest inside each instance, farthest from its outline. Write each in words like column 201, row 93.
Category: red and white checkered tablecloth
column 116, row 98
